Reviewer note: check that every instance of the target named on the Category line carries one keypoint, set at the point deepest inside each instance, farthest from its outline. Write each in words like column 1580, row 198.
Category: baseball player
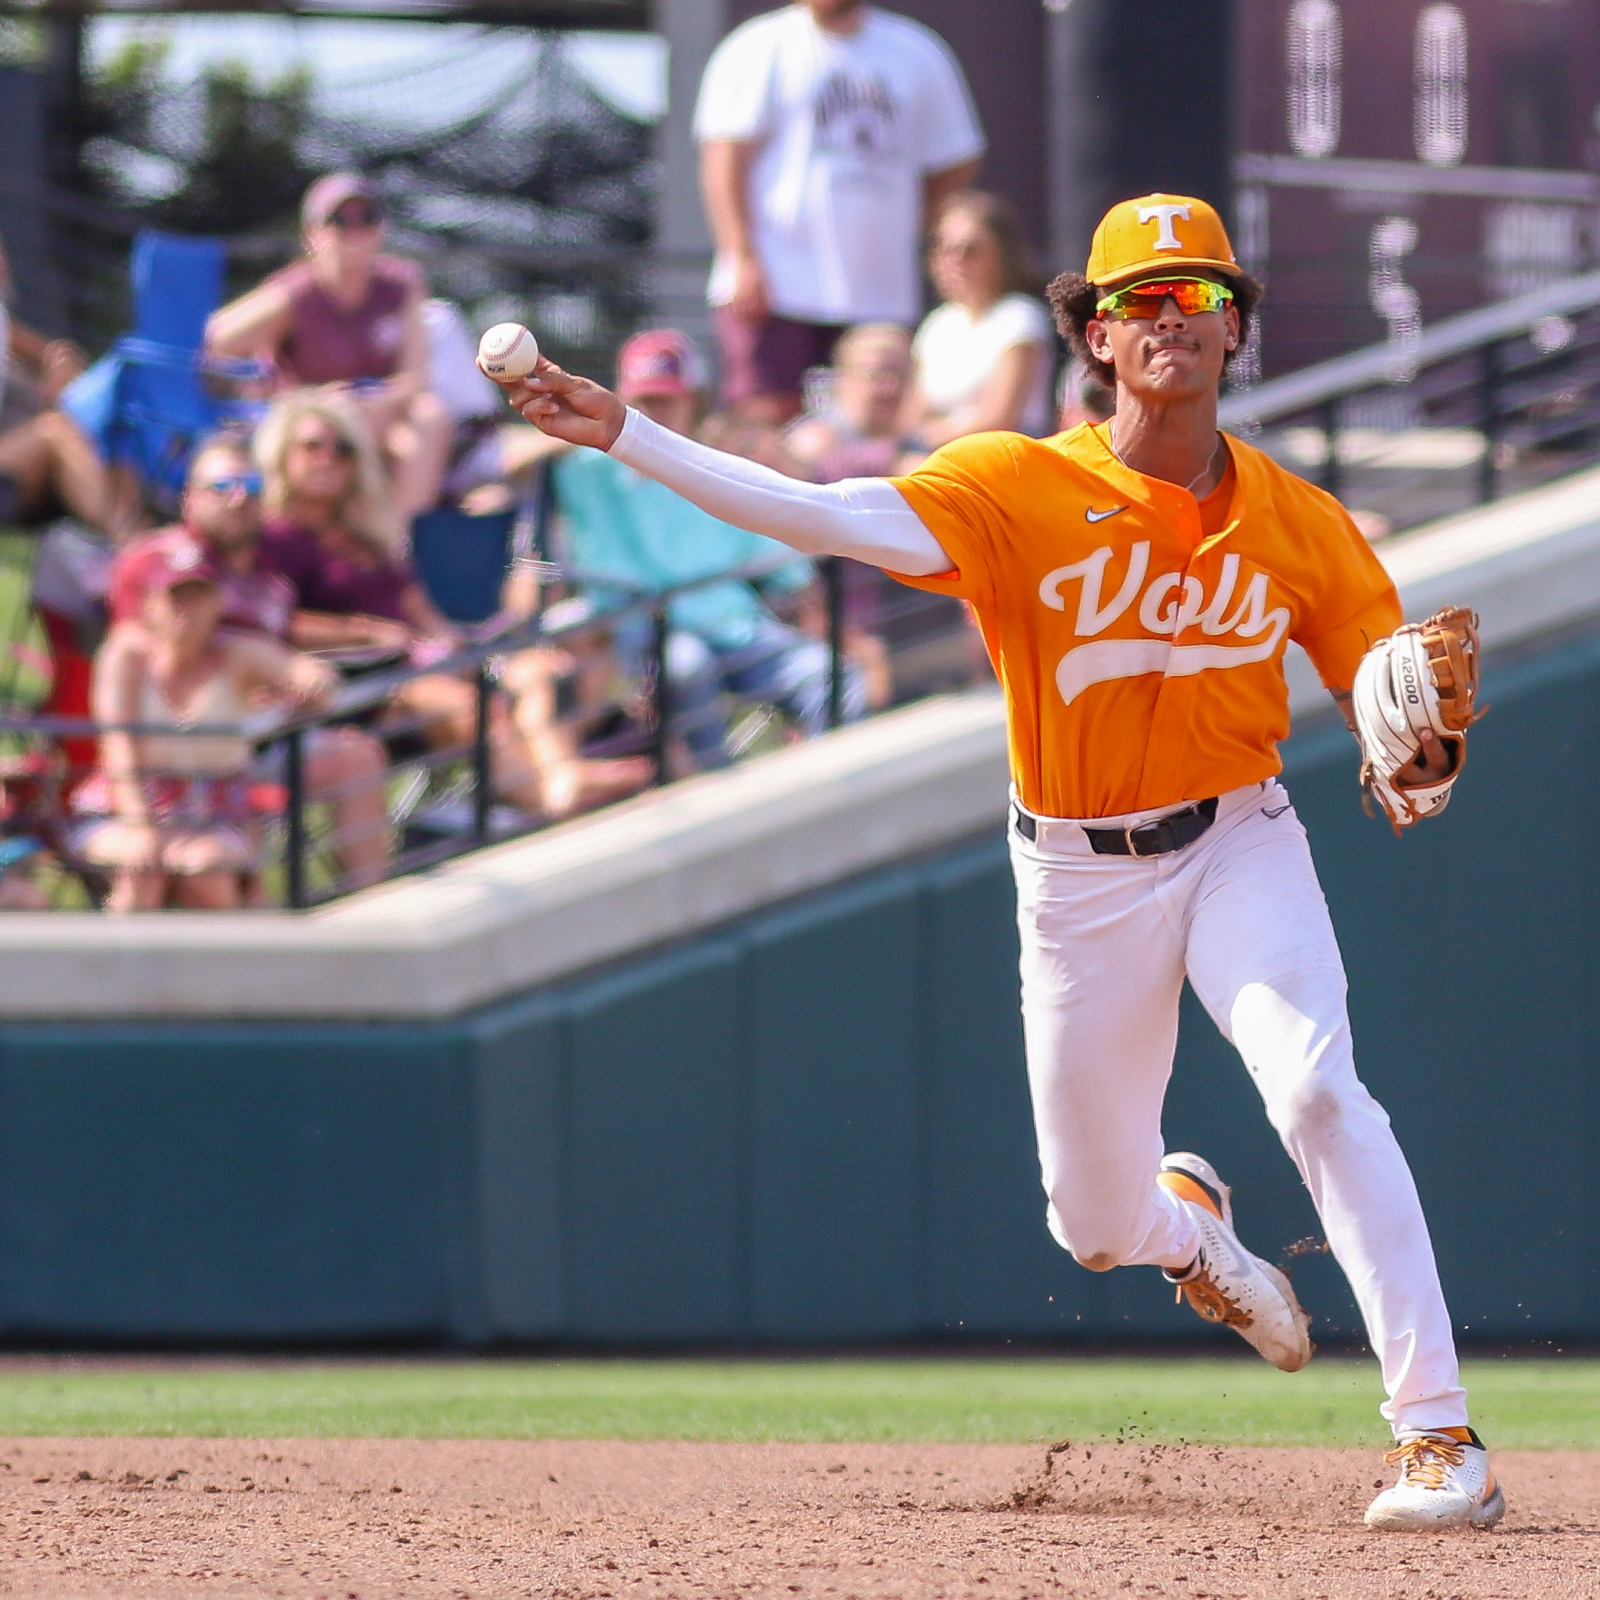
column 1137, row 582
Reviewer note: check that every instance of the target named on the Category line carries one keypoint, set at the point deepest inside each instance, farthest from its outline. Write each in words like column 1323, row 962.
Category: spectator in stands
column 739, row 435
column 34, row 368
column 181, row 823
column 1082, row 396
column 645, row 539
column 983, row 357
column 221, row 514
column 858, row 433
column 48, row 468
column 221, row 520
column 330, row 530
column 573, row 708
column 477, row 467
column 347, row 314
column 487, row 455
column 829, row 132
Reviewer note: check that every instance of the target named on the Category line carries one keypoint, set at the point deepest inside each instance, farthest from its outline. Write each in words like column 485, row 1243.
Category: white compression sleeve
column 867, row 518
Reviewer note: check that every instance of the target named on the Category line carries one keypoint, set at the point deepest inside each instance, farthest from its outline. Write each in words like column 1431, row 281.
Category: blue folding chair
column 146, row 402
column 462, row 560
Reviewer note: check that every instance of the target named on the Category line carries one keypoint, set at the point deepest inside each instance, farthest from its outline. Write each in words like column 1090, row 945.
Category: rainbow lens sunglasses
column 1190, row 295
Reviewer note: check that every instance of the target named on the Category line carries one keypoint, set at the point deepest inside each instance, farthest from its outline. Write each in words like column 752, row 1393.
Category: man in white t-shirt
column 828, row 130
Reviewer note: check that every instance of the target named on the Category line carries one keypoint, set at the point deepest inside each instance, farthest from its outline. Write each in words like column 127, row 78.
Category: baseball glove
column 1424, row 675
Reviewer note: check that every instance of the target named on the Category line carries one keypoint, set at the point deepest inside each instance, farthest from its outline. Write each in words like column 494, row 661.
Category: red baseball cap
column 330, row 191
column 160, row 561
column 182, row 562
column 659, row 361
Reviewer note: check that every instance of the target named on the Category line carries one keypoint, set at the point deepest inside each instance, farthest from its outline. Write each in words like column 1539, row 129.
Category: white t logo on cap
column 1166, row 239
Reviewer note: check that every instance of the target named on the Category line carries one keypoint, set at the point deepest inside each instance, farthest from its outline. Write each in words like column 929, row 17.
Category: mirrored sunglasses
column 1191, row 296
column 239, row 482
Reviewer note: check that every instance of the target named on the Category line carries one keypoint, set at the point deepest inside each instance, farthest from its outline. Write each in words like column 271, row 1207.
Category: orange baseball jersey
column 1141, row 658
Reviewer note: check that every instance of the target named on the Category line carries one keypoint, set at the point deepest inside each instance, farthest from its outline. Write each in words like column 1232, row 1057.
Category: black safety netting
column 523, row 191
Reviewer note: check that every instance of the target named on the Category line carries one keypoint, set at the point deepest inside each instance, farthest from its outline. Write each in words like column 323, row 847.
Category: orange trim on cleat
column 1445, row 1482
column 1187, row 1188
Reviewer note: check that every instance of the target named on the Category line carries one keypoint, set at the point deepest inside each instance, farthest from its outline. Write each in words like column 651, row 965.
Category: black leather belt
column 1158, row 838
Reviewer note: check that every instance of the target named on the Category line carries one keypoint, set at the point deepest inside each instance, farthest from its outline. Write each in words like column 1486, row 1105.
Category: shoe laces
column 1211, row 1300
column 1426, row 1460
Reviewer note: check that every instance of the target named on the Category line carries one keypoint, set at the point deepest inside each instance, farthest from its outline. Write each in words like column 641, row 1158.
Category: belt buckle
column 1129, row 834
column 1153, row 833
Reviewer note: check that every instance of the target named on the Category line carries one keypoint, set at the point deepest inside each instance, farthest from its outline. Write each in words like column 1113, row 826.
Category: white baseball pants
column 1106, row 944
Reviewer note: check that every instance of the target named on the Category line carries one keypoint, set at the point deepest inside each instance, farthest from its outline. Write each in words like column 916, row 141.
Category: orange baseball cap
column 1157, row 233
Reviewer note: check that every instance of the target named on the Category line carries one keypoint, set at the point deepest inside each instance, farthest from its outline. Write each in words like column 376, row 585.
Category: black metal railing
column 441, row 801
column 1495, row 400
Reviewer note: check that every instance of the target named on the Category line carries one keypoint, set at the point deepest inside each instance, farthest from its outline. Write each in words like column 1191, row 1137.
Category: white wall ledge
column 519, row 915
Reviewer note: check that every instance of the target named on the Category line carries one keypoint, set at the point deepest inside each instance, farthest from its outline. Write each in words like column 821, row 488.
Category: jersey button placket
column 1170, row 731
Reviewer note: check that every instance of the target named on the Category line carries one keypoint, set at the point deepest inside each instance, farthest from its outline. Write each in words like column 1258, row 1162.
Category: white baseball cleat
column 1445, row 1482
column 1225, row 1283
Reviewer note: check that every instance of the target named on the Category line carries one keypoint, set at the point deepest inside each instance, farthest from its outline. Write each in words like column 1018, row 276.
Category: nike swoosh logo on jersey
column 1091, row 515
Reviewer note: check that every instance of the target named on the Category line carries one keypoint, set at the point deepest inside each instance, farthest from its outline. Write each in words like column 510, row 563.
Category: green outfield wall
column 811, row 1124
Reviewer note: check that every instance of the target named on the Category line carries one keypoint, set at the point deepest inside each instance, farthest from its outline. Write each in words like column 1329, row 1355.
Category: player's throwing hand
column 575, row 410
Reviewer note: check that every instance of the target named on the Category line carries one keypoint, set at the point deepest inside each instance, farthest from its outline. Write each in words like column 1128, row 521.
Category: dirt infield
column 365, row 1519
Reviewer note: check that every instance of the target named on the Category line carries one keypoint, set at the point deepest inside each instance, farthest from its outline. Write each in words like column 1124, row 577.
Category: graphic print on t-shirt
column 856, row 114
column 843, row 130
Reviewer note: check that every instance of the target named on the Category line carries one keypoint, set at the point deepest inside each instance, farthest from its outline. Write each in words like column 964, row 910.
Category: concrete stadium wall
column 810, row 1123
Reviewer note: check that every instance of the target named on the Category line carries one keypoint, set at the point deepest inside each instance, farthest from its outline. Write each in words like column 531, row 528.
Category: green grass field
column 21, row 683
column 1528, row 1404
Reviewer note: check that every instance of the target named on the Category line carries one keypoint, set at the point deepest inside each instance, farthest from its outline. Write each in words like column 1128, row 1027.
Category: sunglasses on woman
column 1140, row 300
column 322, row 444
column 356, row 219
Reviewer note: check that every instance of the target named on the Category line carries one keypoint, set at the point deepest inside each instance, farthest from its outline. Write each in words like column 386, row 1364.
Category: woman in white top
column 181, row 823
column 983, row 358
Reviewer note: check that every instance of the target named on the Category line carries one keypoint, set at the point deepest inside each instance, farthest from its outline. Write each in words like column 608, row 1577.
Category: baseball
column 507, row 352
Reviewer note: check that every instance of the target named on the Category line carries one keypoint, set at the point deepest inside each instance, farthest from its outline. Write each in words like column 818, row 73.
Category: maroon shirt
column 258, row 600
column 333, row 583
column 331, row 343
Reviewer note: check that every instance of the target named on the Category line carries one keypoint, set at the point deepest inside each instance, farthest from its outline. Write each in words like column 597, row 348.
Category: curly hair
column 1072, row 298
